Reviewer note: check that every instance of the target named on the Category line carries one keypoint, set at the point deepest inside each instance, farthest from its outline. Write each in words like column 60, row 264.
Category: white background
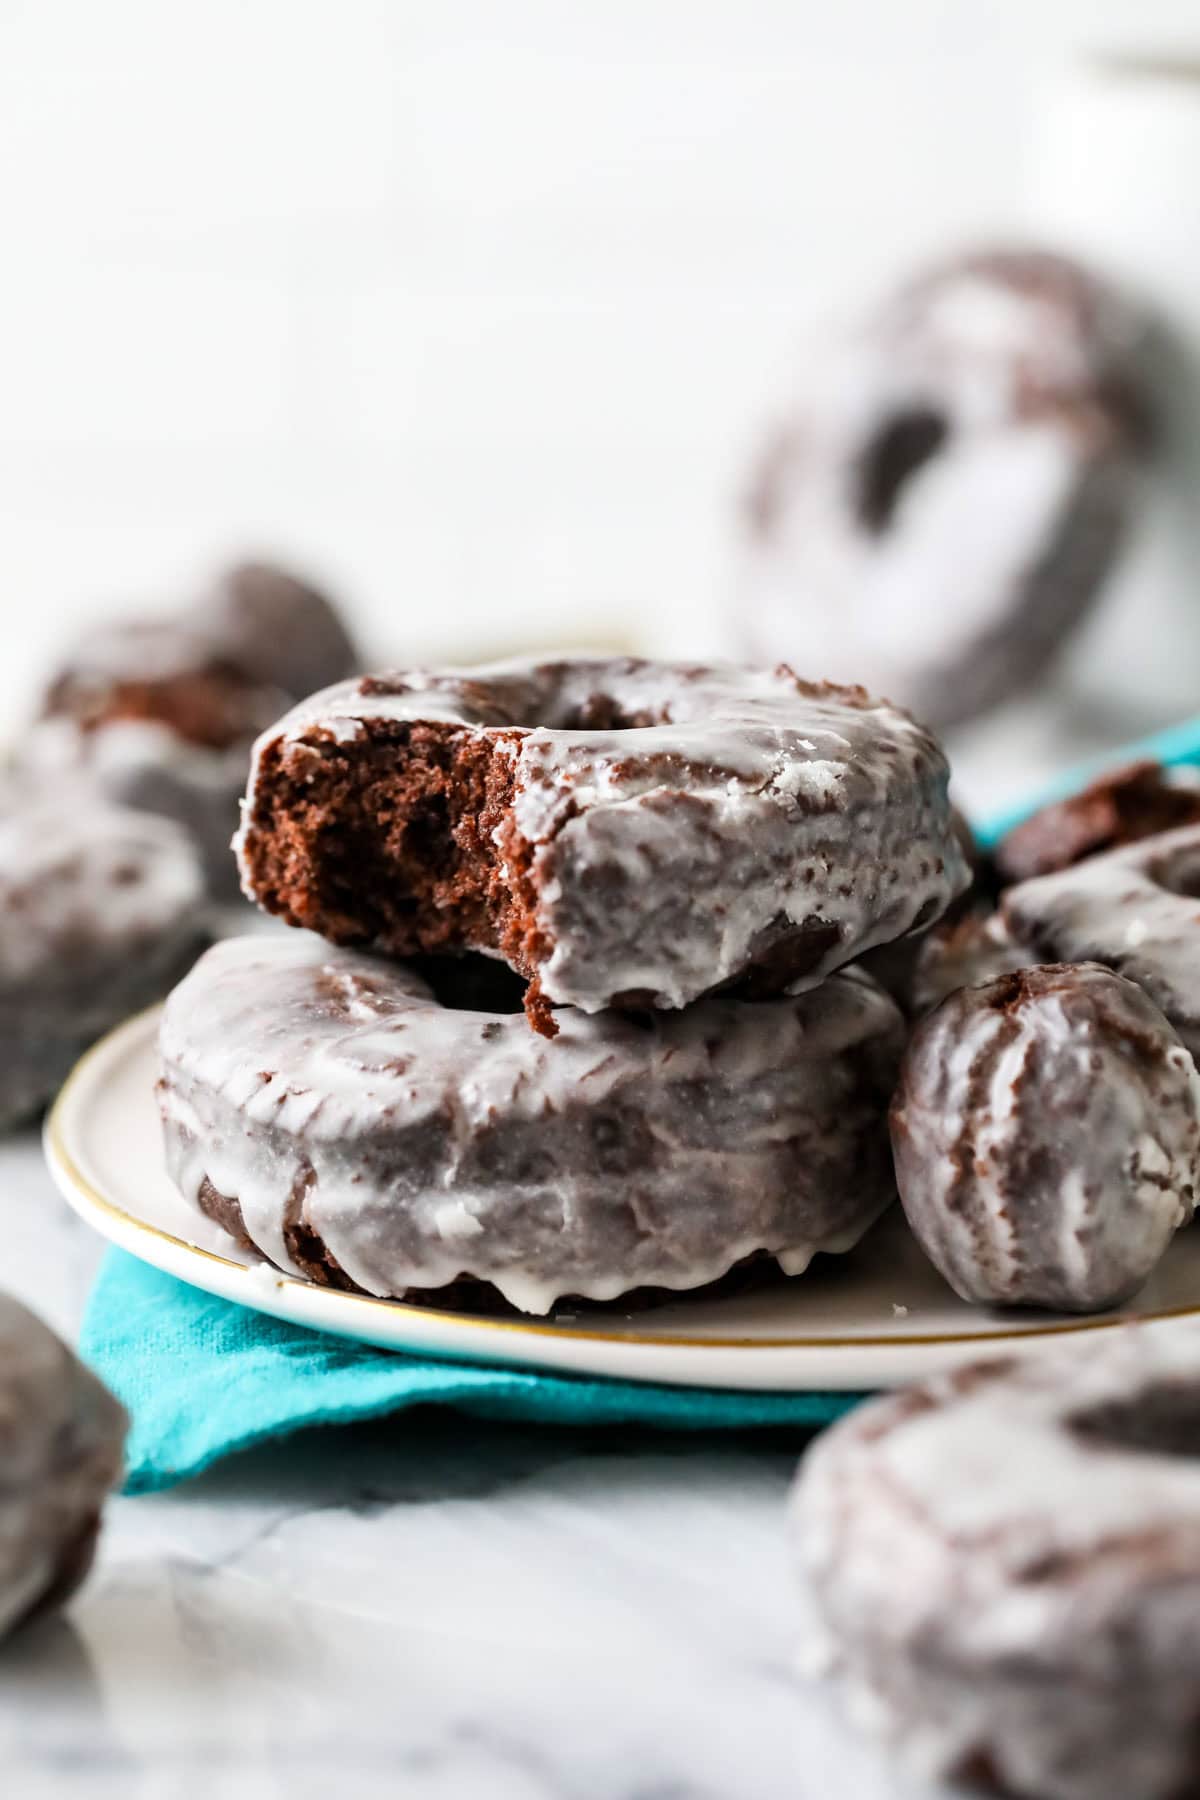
column 471, row 306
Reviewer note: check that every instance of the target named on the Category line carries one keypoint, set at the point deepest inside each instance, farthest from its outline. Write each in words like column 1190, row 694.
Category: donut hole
column 899, row 448
column 601, row 712
column 1179, row 873
column 1162, row 1420
column 472, row 983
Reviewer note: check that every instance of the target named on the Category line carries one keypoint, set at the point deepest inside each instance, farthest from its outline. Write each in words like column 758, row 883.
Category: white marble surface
column 432, row 1607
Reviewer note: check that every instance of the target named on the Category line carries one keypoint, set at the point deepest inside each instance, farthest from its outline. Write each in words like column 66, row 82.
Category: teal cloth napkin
column 202, row 1378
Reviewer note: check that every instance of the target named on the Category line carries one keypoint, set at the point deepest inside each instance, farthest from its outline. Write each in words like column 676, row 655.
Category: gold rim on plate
column 57, row 1153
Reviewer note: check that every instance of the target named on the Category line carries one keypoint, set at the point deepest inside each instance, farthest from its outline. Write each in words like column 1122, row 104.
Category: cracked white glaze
column 1004, row 1566
column 329, row 1091
column 668, row 857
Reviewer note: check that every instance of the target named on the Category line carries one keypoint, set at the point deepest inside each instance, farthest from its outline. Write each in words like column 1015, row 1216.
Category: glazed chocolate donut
column 1134, row 910
column 623, row 833
column 346, row 1123
column 1002, row 1566
column 1128, row 804
column 101, row 911
column 60, row 1454
column 158, row 723
column 1046, row 1131
column 162, row 713
column 941, row 504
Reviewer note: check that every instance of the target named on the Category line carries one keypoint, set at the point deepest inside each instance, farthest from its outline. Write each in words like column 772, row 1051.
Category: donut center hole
column 1163, row 1420
column 601, row 712
column 901, row 446
column 1179, row 874
column 472, row 983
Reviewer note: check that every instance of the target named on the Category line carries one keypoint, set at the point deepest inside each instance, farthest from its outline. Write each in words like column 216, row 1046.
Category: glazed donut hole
column 1046, row 1134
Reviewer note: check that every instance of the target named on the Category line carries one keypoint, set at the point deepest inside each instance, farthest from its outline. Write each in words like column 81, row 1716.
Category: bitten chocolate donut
column 1138, row 801
column 349, row 1123
column 61, row 1446
column 1003, row 1568
column 938, row 508
column 163, row 712
column 624, row 833
column 1133, row 909
column 100, row 912
column 1046, row 1131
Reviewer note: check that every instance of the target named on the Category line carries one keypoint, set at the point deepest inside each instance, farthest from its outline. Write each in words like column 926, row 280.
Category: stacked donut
column 577, row 1017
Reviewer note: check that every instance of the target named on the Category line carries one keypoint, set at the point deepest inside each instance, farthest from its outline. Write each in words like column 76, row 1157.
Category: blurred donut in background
column 940, row 504
column 276, row 629
column 162, row 712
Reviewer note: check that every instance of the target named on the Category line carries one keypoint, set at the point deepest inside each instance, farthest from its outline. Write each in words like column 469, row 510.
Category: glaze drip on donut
column 621, row 832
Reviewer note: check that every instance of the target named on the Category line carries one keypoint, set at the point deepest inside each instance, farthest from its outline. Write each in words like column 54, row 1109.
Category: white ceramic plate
column 875, row 1318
